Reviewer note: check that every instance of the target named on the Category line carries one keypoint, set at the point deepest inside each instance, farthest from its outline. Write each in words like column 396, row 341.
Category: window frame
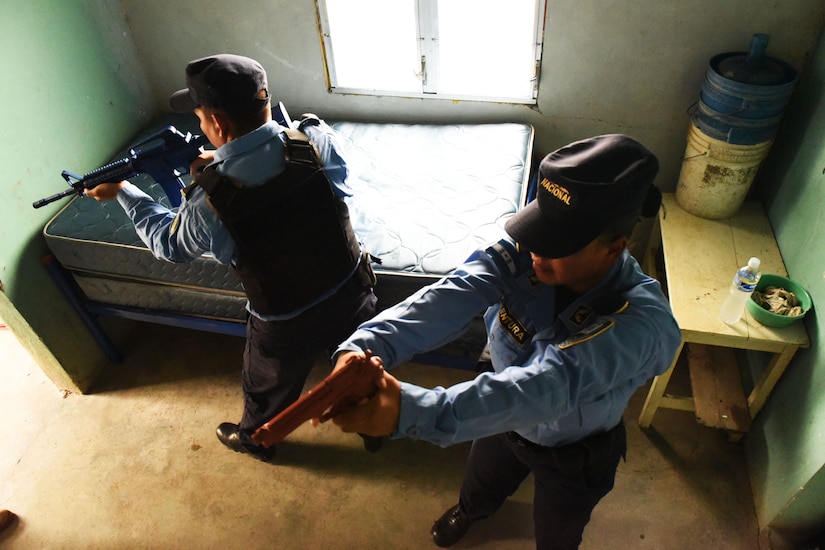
column 427, row 25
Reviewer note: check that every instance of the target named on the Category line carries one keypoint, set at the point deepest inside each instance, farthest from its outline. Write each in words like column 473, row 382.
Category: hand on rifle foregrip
column 345, row 387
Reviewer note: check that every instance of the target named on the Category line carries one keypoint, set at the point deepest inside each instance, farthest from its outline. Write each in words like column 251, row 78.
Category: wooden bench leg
column 769, row 378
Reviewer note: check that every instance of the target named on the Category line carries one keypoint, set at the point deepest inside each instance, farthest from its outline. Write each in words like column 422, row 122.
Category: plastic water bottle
column 744, row 282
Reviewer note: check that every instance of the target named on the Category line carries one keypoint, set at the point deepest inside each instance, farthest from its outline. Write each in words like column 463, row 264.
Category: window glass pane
column 374, row 44
column 487, row 47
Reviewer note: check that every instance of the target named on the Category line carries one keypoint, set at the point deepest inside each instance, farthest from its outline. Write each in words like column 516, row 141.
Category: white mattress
column 428, row 196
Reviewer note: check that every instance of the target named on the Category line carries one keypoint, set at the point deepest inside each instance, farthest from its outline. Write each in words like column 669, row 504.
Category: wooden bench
column 697, row 259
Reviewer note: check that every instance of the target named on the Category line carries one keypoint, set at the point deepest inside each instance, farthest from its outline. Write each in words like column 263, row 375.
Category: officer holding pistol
column 574, row 328
column 287, row 234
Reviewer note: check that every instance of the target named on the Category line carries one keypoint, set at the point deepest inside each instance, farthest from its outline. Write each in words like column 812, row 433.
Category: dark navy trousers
column 569, row 481
column 279, row 355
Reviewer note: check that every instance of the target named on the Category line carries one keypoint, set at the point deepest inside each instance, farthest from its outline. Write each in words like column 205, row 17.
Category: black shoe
column 372, row 443
column 230, row 435
column 450, row 527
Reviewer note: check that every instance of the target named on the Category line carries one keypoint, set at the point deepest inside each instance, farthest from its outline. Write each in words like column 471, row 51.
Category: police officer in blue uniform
column 574, row 328
column 283, row 225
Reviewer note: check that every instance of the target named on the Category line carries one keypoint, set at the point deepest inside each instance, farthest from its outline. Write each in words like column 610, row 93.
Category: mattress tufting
column 428, row 195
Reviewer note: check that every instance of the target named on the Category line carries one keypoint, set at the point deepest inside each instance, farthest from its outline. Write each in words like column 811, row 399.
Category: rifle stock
column 341, row 389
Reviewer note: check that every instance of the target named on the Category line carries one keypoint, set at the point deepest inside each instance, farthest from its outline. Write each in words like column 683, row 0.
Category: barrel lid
column 754, row 67
column 739, row 67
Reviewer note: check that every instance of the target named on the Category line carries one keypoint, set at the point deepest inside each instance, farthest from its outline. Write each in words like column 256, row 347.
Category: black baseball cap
column 226, row 81
column 583, row 187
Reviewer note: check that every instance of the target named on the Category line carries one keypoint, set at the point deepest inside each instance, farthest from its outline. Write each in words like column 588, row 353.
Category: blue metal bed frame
column 89, row 310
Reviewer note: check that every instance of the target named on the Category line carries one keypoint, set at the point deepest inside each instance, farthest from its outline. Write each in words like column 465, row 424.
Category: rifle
column 341, row 389
column 161, row 156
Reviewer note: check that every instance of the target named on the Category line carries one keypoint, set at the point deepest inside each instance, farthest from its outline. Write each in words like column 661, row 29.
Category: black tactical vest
column 293, row 235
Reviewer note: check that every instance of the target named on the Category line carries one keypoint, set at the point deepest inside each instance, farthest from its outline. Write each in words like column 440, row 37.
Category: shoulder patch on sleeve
column 504, row 254
column 599, row 327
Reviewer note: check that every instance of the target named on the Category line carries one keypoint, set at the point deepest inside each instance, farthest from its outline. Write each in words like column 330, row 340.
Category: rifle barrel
column 55, row 197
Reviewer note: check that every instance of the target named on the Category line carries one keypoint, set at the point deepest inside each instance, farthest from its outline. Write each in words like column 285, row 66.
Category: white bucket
column 716, row 175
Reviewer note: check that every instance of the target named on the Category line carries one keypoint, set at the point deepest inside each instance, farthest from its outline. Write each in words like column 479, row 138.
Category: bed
column 429, row 195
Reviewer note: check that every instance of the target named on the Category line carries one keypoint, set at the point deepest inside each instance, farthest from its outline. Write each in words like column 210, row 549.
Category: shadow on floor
column 135, row 464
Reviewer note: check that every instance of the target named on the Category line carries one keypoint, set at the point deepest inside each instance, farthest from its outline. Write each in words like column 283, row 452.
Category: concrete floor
column 136, row 464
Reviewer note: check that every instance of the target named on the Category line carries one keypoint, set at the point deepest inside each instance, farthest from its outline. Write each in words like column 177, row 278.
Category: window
column 486, row 50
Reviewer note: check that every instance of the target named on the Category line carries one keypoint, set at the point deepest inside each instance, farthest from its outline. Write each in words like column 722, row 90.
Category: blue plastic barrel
column 744, row 94
column 732, row 129
column 746, row 100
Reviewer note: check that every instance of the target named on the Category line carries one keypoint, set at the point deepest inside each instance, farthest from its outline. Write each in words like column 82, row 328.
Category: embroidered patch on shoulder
column 578, row 317
column 504, row 254
column 599, row 327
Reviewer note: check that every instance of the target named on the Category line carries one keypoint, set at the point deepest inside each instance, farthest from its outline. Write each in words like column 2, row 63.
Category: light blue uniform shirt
column 558, row 376
column 195, row 229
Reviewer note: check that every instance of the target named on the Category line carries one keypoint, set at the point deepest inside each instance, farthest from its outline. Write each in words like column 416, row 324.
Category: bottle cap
column 753, row 263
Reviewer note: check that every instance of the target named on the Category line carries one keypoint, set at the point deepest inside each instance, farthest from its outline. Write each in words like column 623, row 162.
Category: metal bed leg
column 70, row 291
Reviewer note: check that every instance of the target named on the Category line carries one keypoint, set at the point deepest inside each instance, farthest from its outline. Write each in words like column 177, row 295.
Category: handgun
column 343, row 388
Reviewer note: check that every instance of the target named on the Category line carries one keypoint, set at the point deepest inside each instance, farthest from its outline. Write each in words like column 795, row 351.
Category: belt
column 592, row 450
column 354, row 286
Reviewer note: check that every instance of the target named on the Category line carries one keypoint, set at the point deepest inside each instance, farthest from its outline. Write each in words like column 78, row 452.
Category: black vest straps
column 293, row 235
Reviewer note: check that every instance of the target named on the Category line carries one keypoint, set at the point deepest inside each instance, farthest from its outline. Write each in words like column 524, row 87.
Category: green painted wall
column 72, row 95
column 786, row 446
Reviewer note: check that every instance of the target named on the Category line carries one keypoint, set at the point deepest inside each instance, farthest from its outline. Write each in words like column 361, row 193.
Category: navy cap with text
column 583, row 187
column 231, row 83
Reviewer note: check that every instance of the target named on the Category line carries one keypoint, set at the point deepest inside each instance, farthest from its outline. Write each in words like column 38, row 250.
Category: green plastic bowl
column 772, row 319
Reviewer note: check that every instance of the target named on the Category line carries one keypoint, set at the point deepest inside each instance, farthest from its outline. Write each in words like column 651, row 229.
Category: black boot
column 372, row 443
column 230, row 435
column 450, row 527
